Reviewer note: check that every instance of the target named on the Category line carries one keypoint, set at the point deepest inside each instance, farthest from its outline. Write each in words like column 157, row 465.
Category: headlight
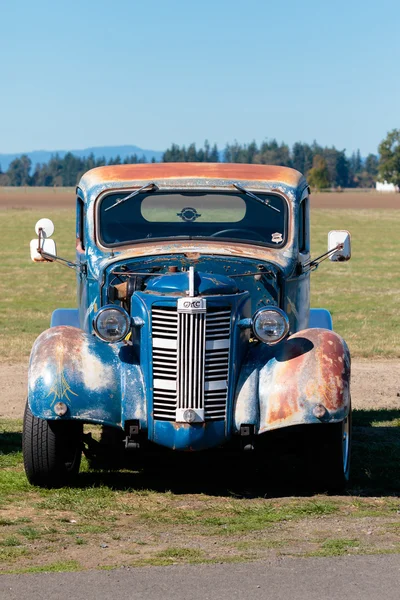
column 270, row 325
column 111, row 323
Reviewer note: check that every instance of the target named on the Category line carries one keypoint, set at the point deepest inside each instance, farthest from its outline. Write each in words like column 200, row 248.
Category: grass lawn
column 216, row 512
column 363, row 294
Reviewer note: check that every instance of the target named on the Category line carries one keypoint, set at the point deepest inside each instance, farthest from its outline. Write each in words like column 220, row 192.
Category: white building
column 386, row 187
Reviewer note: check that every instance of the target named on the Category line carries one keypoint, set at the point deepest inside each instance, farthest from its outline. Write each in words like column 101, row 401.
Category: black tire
column 332, row 451
column 52, row 450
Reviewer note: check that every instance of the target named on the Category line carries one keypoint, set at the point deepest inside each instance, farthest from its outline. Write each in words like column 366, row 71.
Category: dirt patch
column 28, row 198
column 375, row 384
column 356, row 200
column 13, row 390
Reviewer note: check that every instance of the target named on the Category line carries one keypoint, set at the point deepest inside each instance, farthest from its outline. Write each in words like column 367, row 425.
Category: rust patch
column 140, row 172
column 62, row 341
column 313, row 367
column 199, row 248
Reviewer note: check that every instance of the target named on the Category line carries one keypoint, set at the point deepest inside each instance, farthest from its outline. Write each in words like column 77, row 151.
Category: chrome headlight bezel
column 281, row 314
column 126, row 321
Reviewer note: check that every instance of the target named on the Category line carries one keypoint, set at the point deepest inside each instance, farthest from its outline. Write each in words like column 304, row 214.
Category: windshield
column 188, row 215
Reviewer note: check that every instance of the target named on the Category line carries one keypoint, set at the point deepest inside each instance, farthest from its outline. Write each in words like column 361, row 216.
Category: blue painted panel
column 181, row 436
column 320, row 318
column 204, row 283
column 69, row 366
column 65, row 316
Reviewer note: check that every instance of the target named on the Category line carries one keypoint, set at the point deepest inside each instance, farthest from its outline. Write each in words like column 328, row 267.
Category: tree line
column 324, row 167
column 59, row 172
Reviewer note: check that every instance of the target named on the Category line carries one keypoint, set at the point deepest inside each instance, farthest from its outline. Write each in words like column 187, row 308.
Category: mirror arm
column 52, row 257
column 63, row 261
column 312, row 265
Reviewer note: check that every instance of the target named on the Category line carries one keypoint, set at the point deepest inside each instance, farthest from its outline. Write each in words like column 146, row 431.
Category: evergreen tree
column 19, row 171
column 214, row 154
column 372, row 165
column 302, row 157
column 191, row 154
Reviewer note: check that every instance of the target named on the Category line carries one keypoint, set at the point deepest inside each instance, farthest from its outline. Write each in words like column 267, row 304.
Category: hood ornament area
column 193, row 304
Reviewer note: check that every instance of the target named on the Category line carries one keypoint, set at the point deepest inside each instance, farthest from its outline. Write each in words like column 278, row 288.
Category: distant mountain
column 108, row 152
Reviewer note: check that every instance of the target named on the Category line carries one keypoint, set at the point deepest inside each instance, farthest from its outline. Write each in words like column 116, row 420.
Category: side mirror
column 46, row 226
column 47, row 246
column 43, row 246
column 341, row 240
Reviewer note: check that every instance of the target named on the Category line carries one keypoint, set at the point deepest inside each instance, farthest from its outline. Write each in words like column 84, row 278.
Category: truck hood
column 205, row 284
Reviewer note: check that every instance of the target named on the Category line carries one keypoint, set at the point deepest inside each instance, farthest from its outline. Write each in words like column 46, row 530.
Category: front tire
column 52, row 450
column 333, row 445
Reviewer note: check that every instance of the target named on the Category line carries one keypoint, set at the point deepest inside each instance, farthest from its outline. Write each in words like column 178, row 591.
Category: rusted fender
column 91, row 377
column 305, row 379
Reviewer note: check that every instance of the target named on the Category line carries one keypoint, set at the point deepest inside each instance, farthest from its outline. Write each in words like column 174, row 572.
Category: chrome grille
column 191, row 350
column 216, row 363
column 190, row 361
column 165, row 353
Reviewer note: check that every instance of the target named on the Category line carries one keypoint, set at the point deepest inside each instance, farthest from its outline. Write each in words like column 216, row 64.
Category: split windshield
column 188, row 215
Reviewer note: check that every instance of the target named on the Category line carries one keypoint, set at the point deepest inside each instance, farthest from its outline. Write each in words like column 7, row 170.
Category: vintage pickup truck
column 193, row 328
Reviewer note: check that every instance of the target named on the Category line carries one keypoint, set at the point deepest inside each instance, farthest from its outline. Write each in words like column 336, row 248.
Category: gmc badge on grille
column 192, row 305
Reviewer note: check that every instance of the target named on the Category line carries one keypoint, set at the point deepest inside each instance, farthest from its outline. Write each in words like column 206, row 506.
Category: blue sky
column 93, row 73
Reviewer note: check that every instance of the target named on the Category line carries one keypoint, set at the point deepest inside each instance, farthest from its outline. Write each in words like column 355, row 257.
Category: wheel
column 338, row 455
column 333, row 449
column 51, row 449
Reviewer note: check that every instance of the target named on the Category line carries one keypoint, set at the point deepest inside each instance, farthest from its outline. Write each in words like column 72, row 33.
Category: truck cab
column 193, row 327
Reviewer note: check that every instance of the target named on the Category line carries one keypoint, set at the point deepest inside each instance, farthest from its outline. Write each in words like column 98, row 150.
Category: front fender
column 280, row 386
column 89, row 376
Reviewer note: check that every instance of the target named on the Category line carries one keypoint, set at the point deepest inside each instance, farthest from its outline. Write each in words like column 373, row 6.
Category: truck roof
column 123, row 175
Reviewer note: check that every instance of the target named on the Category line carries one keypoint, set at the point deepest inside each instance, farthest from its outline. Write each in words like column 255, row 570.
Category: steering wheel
column 246, row 231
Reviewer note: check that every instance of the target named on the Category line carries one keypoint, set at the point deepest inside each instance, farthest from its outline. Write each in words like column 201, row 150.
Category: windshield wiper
column 251, row 195
column 153, row 188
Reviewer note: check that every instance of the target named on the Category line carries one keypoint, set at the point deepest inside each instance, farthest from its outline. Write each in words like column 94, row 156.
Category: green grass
column 363, row 294
column 179, row 554
column 30, row 533
column 336, row 547
column 56, row 567
column 11, row 541
column 12, row 554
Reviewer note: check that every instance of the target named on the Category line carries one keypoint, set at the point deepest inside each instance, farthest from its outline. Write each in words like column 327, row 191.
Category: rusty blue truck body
column 190, row 373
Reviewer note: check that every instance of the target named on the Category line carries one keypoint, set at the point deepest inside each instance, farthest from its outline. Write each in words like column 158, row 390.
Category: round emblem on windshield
column 188, row 214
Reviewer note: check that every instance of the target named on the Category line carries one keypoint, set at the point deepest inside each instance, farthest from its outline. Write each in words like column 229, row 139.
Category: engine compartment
column 168, row 276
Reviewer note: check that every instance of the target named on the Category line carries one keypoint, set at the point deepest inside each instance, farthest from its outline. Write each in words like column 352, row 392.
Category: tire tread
column 43, row 450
